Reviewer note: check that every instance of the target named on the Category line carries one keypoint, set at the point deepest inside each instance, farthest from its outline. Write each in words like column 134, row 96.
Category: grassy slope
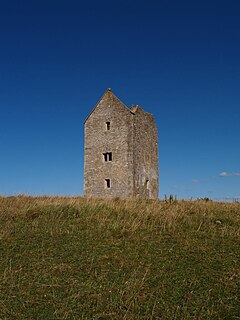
column 72, row 258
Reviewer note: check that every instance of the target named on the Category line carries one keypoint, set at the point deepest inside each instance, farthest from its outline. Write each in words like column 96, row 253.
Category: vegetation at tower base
column 75, row 258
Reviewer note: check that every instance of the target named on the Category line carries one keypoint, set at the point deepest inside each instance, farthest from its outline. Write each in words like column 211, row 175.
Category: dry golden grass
column 76, row 258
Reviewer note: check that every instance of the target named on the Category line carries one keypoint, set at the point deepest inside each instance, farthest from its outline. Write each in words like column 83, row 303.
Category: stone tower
column 120, row 151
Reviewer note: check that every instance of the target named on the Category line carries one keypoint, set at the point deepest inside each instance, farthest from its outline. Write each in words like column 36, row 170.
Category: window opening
column 107, row 125
column 107, row 183
column 147, row 184
column 107, row 156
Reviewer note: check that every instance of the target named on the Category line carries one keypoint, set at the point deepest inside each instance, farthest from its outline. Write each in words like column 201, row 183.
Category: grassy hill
column 73, row 258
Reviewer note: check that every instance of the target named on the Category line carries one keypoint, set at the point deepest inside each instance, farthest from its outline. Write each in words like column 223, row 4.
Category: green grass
column 74, row 258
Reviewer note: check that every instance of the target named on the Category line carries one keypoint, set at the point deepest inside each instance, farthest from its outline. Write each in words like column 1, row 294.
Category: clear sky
column 179, row 60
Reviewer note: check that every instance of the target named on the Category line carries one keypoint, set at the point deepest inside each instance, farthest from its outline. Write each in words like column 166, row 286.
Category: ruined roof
column 108, row 92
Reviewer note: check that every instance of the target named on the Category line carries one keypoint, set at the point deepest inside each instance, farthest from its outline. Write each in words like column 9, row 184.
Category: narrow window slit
column 107, row 183
column 107, row 125
column 147, row 184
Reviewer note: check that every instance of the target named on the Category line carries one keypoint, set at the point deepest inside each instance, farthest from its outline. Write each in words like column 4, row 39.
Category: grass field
column 74, row 258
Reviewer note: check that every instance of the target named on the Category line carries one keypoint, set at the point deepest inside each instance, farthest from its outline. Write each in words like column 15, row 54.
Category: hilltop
column 74, row 258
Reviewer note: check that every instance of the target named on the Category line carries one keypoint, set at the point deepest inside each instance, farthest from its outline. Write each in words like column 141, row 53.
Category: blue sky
column 179, row 60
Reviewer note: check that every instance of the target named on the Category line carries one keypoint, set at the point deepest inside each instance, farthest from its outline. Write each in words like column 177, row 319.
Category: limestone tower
column 120, row 151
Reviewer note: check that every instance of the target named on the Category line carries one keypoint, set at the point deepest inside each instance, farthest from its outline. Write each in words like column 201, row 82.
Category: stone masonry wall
column 145, row 155
column 133, row 141
column 118, row 140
